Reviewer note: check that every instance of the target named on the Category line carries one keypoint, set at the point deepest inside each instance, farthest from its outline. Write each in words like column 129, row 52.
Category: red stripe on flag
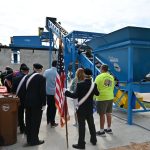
column 60, row 100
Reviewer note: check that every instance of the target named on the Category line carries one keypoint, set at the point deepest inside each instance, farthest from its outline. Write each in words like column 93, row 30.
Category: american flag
column 60, row 99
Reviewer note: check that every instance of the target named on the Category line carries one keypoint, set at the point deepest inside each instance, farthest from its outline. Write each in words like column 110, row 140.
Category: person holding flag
column 78, row 78
column 84, row 92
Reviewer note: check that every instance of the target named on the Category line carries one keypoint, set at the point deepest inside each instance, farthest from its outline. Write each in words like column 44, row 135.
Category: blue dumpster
column 115, row 49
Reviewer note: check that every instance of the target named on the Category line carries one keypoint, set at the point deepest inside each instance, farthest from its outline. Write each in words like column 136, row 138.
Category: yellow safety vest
column 105, row 84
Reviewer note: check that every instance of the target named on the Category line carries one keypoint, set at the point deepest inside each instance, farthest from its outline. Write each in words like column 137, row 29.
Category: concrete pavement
column 123, row 134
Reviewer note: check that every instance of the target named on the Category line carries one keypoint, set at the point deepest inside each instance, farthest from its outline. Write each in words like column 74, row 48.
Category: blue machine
column 42, row 42
column 28, row 42
column 127, row 52
column 54, row 28
column 123, row 50
column 113, row 49
column 75, row 46
column 73, row 43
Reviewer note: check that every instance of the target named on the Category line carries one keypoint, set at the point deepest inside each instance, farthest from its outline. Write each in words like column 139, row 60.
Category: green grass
column 146, row 104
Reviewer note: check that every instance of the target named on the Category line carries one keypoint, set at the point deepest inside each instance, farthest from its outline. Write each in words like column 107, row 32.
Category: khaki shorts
column 104, row 106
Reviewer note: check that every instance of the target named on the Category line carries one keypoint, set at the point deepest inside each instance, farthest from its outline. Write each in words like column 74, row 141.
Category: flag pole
column 65, row 100
column 66, row 123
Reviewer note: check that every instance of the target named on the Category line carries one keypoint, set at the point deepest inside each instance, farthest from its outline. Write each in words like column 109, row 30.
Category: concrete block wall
column 5, row 58
column 28, row 57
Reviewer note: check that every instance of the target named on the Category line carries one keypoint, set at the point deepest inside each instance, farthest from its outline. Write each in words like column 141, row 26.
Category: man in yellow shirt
column 105, row 84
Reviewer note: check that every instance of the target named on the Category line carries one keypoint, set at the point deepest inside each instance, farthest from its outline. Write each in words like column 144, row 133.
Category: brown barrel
column 8, row 120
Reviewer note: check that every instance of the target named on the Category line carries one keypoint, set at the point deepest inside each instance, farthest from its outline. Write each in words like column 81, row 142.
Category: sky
column 23, row 17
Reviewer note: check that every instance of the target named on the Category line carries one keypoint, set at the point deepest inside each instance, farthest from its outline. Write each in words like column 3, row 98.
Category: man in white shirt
column 50, row 75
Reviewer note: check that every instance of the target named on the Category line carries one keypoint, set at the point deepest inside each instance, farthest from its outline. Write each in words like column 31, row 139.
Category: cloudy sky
column 23, row 17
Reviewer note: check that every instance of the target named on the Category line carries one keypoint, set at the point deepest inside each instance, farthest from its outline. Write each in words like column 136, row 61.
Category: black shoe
column 37, row 143
column 22, row 131
column 98, row 133
column 53, row 125
column 26, row 145
column 93, row 142
column 78, row 146
column 109, row 131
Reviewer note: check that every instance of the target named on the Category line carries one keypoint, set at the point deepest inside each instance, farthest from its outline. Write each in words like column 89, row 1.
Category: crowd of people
column 35, row 90
column 31, row 90
column 102, row 90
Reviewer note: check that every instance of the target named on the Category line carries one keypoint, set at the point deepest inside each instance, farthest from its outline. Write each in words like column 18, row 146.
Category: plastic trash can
column 8, row 120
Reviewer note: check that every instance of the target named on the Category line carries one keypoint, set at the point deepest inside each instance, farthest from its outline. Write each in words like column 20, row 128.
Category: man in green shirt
column 105, row 84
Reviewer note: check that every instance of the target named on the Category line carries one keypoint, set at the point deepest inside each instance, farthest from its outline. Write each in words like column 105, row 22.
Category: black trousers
column 90, row 121
column 51, row 109
column 33, row 122
column 21, row 118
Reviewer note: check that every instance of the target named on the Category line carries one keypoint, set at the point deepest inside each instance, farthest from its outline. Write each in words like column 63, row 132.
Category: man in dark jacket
column 35, row 102
column 17, row 89
column 4, row 80
column 85, row 110
column 9, row 78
